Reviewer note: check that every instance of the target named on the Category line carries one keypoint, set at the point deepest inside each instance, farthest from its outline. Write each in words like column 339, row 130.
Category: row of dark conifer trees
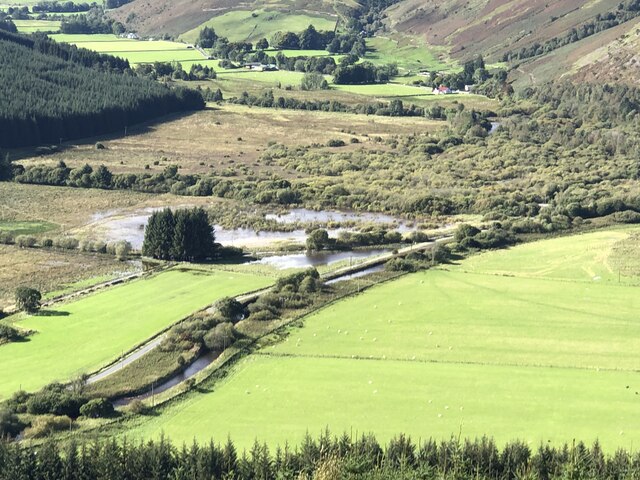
column 183, row 235
column 327, row 457
column 50, row 93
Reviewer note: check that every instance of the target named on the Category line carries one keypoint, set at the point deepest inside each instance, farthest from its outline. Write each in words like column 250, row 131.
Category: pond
column 112, row 226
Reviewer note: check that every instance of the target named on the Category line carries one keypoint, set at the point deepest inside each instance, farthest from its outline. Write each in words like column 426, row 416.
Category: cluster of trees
column 8, row 26
column 394, row 108
column 61, row 7
column 92, row 22
column 183, row 235
column 207, row 332
column 363, row 73
column 370, row 236
column 294, row 291
column 490, row 83
column 344, row 456
column 623, row 12
column 174, row 70
column 55, row 405
column 45, row 98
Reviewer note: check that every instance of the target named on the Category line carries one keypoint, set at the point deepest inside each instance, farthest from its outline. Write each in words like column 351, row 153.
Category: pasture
column 135, row 51
column 99, row 327
column 32, row 26
column 542, row 358
column 250, row 26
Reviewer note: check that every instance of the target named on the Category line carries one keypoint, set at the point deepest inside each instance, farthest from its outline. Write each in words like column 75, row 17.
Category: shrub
column 220, row 337
column 44, row 425
column 28, row 299
column 9, row 334
column 66, row 243
column 6, row 238
column 47, row 243
column 100, row 146
column 97, row 408
column 122, row 250
column 335, row 143
column 230, row 309
column 25, row 241
column 138, row 407
column 10, row 424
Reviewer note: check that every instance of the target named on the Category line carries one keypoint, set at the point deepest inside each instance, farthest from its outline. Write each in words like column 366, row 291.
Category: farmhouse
column 442, row 90
column 261, row 67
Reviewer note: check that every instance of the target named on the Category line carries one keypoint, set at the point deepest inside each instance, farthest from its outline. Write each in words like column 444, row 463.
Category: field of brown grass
column 50, row 270
column 230, row 140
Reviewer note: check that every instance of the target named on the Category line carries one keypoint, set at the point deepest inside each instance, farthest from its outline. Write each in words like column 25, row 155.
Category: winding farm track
column 144, row 348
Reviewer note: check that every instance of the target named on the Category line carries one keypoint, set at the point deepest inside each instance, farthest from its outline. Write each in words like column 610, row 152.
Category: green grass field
column 539, row 357
column 81, row 336
column 26, row 227
column 408, row 53
column 250, row 26
column 32, row 26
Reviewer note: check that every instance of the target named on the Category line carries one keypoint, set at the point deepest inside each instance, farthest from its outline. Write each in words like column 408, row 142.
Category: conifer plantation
column 59, row 98
column 185, row 235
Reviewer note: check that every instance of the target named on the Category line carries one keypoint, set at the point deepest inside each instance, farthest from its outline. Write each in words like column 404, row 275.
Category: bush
column 97, row 408
column 221, row 337
column 138, row 407
column 66, row 243
column 335, row 143
column 47, row 243
column 28, row 299
column 400, row 265
column 10, row 424
column 100, row 146
column 6, row 238
column 57, row 400
column 25, row 241
column 230, row 309
column 44, row 425
column 9, row 334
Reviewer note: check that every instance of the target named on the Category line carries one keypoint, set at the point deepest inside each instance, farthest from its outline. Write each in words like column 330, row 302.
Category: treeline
column 624, row 12
column 45, row 98
column 345, row 456
column 61, row 7
column 348, row 71
column 183, row 235
column 394, row 108
column 93, row 22
column 174, row 70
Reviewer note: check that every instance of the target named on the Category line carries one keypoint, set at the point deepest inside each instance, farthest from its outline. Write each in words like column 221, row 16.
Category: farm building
column 442, row 90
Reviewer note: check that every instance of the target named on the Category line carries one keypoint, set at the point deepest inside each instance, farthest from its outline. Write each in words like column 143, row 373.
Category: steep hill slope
column 611, row 56
column 491, row 27
column 153, row 17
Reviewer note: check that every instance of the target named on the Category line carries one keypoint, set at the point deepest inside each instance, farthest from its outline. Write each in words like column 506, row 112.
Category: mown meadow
column 81, row 336
column 540, row 357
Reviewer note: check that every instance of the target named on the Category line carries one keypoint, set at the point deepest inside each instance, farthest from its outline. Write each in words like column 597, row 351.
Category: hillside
column 153, row 17
column 607, row 57
column 44, row 97
column 490, row 27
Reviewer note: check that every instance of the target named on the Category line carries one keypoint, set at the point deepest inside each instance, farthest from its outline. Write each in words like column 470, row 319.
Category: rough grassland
column 84, row 335
column 440, row 353
column 51, row 270
column 231, row 137
column 250, row 26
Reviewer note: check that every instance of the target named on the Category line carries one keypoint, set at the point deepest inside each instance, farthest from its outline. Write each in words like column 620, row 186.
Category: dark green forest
column 327, row 457
column 46, row 96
